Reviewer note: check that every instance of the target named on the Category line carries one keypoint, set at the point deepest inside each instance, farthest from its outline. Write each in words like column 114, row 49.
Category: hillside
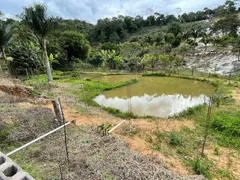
column 153, row 97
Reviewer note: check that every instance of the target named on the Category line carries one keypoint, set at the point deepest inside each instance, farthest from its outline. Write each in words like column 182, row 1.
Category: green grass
column 118, row 113
column 227, row 123
column 175, row 139
column 159, row 74
column 91, row 89
column 191, row 111
column 201, row 166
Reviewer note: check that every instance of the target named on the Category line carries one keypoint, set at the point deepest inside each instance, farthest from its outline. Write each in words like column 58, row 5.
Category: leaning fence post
column 58, row 111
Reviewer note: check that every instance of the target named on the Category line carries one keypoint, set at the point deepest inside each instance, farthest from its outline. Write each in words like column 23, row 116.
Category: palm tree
column 35, row 17
column 205, row 40
column 195, row 33
column 4, row 36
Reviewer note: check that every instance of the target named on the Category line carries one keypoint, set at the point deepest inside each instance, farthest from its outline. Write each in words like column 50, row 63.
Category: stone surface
column 11, row 171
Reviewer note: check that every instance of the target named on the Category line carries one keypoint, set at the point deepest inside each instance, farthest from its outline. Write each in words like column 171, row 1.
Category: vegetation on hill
column 66, row 44
column 58, row 56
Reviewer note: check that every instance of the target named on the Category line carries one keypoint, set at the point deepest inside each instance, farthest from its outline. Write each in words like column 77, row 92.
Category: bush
column 174, row 139
column 110, row 46
column 25, row 59
column 216, row 150
column 201, row 166
column 149, row 139
column 75, row 44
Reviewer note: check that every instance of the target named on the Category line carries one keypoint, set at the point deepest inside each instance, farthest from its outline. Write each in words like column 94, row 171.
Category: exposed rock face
column 221, row 63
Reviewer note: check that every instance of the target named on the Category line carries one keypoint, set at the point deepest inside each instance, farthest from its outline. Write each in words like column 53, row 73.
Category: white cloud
column 91, row 10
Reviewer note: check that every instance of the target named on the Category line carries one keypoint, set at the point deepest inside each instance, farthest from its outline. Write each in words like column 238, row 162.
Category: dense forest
column 113, row 43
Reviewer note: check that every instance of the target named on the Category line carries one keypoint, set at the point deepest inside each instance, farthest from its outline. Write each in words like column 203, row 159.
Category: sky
column 92, row 10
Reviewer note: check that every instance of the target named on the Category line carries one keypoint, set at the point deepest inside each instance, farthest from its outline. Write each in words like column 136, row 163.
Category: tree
column 195, row 33
column 167, row 61
column 227, row 25
column 75, row 44
column 35, row 17
column 114, row 38
column 230, row 6
column 205, row 40
column 109, row 58
column 183, row 49
column 26, row 58
column 150, row 59
column 110, row 46
column 5, row 35
column 175, row 28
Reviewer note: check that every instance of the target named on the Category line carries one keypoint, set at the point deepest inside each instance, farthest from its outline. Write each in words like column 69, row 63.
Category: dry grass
column 95, row 157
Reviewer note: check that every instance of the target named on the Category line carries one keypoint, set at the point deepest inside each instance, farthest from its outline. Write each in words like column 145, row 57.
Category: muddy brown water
column 154, row 96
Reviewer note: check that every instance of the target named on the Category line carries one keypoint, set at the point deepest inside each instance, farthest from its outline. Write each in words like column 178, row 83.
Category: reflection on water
column 159, row 106
column 155, row 96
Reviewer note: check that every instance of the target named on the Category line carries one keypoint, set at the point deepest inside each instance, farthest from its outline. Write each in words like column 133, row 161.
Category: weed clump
column 201, row 166
column 174, row 139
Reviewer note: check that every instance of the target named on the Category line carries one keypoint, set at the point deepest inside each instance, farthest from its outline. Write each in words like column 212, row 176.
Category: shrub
column 174, row 139
column 149, row 139
column 216, row 150
column 201, row 166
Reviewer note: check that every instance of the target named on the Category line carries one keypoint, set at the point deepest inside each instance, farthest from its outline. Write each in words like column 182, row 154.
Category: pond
column 154, row 96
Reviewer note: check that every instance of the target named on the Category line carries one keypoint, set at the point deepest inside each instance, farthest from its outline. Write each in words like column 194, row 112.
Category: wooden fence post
column 58, row 111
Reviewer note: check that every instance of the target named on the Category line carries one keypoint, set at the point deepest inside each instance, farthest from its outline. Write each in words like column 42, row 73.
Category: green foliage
column 119, row 113
column 5, row 131
column 110, row 46
column 114, row 38
column 175, row 28
column 25, row 59
column 227, row 123
column 228, row 24
column 201, row 166
column 111, row 60
column 36, row 18
column 75, row 44
column 149, row 139
column 160, row 74
column 130, row 49
column 220, row 94
column 216, row 150
column 159, row 138
column 174, row 139
column 5, row 35
column 94, row 88
column 191, row 111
